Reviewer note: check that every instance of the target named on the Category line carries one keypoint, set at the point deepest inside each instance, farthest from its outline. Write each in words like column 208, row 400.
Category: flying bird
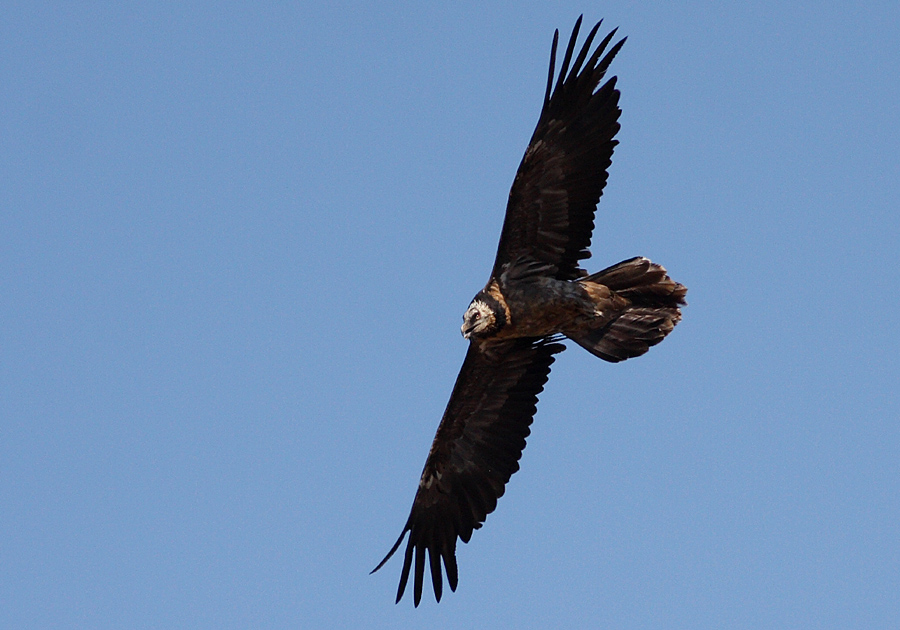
column 536, row 296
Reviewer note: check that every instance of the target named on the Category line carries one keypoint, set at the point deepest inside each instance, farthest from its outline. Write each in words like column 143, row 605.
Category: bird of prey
column 536, row 296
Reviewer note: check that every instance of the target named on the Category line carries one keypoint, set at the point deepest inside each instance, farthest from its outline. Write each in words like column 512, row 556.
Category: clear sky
column 236, row 244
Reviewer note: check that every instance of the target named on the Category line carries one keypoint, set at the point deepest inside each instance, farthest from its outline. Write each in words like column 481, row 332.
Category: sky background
column 236, row 243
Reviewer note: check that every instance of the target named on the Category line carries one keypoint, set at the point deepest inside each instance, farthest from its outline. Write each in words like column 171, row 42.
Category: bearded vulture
column 536, row 296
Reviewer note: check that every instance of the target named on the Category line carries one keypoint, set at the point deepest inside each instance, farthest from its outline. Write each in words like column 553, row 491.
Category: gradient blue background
column 236, row 243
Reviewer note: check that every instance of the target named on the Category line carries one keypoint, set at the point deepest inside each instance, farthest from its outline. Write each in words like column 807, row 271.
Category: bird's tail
column 645, row 309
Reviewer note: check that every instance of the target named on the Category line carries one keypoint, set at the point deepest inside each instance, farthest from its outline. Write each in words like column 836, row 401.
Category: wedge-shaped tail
column 649, row 310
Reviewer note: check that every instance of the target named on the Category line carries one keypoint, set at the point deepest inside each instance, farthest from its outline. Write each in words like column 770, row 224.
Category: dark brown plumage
column 476, row 450
column 550, row 212
column 537, row 294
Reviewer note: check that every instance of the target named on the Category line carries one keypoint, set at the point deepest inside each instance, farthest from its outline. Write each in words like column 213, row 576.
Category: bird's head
column 483, row 318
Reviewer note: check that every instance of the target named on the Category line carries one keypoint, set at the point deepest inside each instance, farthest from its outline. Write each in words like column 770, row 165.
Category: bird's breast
column 539, row 306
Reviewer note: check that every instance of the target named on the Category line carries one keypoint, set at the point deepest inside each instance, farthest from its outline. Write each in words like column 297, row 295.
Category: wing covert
column 476, row 449
column 550, row 212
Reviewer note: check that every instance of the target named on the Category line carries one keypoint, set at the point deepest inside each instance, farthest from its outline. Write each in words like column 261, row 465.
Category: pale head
column 479, row 319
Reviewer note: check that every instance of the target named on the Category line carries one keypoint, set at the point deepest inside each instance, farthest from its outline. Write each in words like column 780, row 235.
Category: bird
column 537, row 296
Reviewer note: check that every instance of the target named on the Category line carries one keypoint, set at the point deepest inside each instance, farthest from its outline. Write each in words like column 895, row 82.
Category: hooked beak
column 466, row 332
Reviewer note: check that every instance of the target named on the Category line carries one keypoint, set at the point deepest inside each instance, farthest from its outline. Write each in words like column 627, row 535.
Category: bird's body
column 537, row 295
column 524, row 302
column 527, row 305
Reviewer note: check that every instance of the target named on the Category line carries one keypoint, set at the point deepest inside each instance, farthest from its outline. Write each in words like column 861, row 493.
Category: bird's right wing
column 475, row 451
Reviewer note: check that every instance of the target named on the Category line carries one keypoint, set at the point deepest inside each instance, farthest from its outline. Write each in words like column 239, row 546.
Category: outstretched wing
column 550, row 213
column 476, row 450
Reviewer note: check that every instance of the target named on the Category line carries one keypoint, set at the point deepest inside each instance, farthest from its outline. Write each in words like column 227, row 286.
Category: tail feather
column 649, row 310
column 642, row 282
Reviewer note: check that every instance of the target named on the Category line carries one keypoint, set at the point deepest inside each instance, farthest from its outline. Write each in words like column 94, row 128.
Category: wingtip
column 392, row 551
column 552, row 67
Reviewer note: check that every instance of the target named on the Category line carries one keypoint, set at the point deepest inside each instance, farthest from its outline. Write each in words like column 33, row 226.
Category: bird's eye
column 476, row 316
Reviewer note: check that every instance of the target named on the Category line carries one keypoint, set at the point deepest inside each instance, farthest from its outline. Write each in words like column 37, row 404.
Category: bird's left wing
column 550, row 212
column 475, row 451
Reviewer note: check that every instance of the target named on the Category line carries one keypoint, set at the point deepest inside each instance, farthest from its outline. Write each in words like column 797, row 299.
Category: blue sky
column 235, row 247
